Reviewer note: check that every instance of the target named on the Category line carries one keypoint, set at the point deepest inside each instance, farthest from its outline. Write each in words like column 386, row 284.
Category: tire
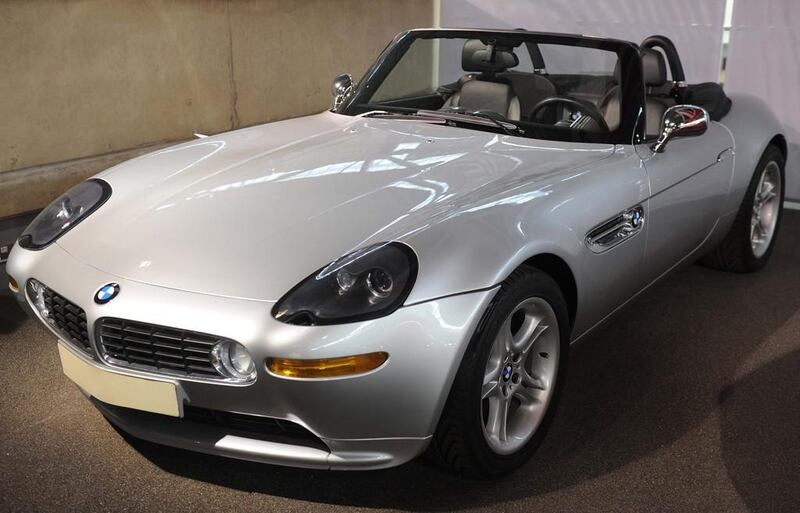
column 736, row 253
column 465, row 441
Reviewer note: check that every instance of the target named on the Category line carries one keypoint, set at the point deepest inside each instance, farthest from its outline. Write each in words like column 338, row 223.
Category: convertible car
column 405, row 272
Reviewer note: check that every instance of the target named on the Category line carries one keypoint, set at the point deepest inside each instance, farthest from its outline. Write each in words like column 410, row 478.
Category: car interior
column 494, row 83
column 491, row 85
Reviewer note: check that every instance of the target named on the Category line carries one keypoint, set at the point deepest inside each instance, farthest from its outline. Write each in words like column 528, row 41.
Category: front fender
column 479, row 245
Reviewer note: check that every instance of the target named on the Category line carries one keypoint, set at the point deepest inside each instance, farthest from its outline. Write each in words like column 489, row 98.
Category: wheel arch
column 780, row 142
column 558, row 269
column 754, row 127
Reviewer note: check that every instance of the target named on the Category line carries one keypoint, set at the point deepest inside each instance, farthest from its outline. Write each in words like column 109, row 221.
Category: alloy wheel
column 766, row 207
column 520, row 374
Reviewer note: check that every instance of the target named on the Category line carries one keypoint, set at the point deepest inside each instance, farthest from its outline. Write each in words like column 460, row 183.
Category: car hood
column 252, row 212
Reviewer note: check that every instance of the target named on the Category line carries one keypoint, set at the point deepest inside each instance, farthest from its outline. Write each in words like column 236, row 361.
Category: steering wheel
column 584, row 108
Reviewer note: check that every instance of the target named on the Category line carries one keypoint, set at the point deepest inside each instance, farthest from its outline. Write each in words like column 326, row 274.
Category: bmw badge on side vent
column 106, row 293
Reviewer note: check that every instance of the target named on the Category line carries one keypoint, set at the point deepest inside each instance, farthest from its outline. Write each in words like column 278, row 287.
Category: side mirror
column 681, row 121
column 342, row 86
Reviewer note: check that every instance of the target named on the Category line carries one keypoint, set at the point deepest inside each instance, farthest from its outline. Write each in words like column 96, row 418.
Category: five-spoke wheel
column 749, row 243
column 519, row 376
column 504, row 395
column 766, row 206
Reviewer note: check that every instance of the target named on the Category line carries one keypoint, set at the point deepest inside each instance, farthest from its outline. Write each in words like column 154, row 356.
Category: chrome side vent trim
column 615, row 231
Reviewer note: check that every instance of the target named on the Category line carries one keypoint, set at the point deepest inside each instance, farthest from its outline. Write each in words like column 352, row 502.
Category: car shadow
column 761, row 435
column 636, row 385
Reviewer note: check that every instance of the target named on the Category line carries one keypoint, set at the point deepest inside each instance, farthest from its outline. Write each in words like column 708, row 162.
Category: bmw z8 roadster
column 405, row 272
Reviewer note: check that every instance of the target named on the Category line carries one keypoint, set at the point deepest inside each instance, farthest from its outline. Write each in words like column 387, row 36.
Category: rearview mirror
column 342, row 86
column 681, row 121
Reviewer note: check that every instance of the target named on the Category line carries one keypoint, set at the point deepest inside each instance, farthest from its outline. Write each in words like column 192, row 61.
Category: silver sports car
column 406, row 271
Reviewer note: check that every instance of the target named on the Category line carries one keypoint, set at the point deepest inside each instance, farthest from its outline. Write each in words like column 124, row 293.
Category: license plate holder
column 138, row 393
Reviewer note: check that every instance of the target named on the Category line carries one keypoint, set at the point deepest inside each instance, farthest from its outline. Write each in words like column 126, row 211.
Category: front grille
column 157, row 348
column 68, row 318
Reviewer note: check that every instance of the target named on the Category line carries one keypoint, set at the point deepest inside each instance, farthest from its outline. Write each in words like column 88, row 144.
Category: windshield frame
column 631, row 83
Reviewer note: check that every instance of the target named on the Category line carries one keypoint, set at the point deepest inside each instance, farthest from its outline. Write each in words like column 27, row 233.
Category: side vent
column 615, row 231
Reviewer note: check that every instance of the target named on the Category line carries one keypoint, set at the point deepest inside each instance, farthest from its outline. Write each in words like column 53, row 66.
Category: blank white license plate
column 118, row 389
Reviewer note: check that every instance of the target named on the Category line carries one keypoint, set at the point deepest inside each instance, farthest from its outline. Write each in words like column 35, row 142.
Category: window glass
column 427, row 65
column 431, row 63
column 577, row 60
column 493, row 75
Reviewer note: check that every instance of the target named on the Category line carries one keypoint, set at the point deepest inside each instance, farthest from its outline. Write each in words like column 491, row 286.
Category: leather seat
column 654, row 74
column 530, row 89
column 611, row 103
column 654, row 71
column 487, row 96
column 485, row 92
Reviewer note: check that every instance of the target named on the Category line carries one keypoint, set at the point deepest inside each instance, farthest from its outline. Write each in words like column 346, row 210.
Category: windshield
column 548, row 87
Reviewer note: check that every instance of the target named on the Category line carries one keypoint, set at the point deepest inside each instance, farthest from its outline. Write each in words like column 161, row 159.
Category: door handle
column 725, row 154
column 616, row 230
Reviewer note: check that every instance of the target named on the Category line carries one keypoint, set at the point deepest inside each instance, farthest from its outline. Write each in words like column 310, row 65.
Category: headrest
column 618, row 72
column 477, row 56
column 654, row 68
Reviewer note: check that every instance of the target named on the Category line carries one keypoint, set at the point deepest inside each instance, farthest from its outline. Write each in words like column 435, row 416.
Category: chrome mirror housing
column 342, row 86
column 681, row 121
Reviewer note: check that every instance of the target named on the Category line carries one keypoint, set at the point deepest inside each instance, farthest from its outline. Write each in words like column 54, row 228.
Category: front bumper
column 374, row 420
column 330, row 455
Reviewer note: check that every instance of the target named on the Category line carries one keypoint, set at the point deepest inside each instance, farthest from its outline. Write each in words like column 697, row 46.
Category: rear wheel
column 750, row 242
column 505, row 393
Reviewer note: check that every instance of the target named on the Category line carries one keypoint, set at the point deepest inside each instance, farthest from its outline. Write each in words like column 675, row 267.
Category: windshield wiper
column 382, row 113
column 472, row 118
column 400, row 115
column 475, row 118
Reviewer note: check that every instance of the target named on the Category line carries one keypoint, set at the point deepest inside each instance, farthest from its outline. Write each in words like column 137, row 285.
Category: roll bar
column 666, row 45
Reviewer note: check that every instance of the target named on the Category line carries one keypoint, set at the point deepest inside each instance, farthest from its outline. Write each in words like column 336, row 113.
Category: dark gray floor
column 688, row 401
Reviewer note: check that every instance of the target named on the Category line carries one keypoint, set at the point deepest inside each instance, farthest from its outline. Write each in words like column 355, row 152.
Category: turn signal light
column 326, row 367
column 12, row 284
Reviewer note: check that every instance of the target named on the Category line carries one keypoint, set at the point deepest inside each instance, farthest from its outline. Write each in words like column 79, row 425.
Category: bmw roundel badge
column 106, row 293
column 637, row 218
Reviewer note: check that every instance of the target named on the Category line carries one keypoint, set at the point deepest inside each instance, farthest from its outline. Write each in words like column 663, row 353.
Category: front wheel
column 505, row 393
column 749, row 244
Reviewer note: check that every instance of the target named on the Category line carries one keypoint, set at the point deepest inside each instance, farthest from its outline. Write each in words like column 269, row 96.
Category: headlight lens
column 232, row 360
column 368, row 283
column 36, row 292
column 64, row 213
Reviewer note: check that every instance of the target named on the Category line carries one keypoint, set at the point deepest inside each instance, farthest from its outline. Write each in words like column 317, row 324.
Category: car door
column 613, row 219
column 689, row 185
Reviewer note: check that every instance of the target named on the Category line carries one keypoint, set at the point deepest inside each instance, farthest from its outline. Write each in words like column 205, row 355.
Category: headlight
column 232, row 360
column 64, row 213
column 368, row 283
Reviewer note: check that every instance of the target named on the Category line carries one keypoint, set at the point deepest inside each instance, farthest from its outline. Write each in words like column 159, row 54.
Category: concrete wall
column 91, row 77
